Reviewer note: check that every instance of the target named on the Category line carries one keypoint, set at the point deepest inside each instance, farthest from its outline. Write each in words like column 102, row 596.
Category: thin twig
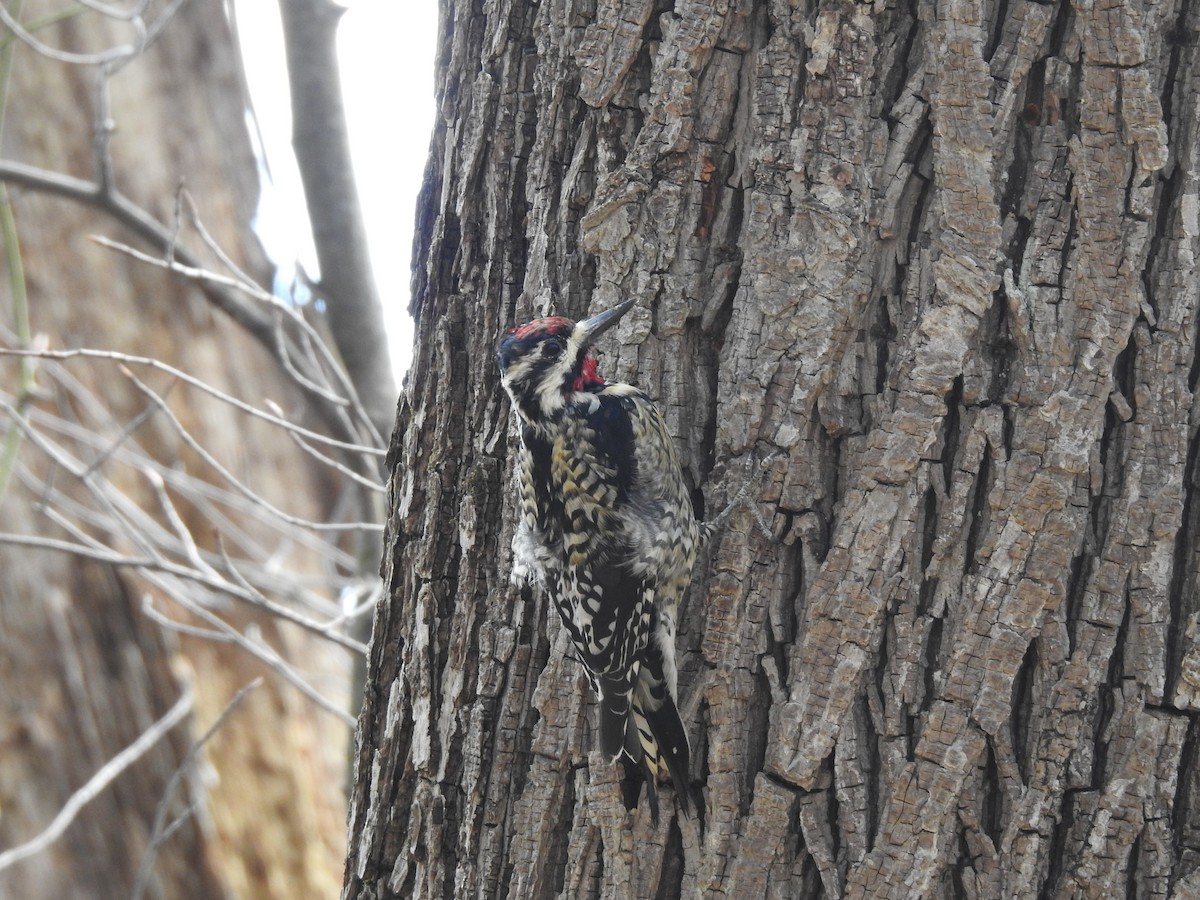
column 195, row 273
column 191, row 551
column 317, row 350
column 285, row 357
column 143, row 530
column 371, row 591
column 368, row 483
column 334, row 464
column 155, row 30
column 126, row 432
column 204, row 494
column 164, row 621
column 143, row 36
column 98, row 782
column 76, row 468
column 318, row 347
column 229, row 477
column 152, row 564
column 113, row 12
column 160, row 832
column 226, row 297
column 78, row 59
column 209, row 241
column 265, row 654
column 199, row 385
column 230, row 567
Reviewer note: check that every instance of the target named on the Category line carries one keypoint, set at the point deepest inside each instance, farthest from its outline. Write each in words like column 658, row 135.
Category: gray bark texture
column 943, row 256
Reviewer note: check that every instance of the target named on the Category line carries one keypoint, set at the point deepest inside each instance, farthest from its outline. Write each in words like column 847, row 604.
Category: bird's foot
column 745, row 497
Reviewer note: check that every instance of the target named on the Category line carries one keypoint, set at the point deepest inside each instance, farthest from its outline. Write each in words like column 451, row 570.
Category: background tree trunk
column 83, row 670
column 943, row 256
column 322, row 147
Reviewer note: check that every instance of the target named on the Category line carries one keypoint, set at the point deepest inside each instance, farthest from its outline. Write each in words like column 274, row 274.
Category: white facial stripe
column 536, row 377
column 550, row 389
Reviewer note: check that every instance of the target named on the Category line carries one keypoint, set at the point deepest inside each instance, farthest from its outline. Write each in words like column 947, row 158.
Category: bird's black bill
column 601, row 322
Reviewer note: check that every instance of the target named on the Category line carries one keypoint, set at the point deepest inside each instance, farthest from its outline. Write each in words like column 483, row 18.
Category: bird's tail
column 641, row 722
column 662, row 739
column 615, row 706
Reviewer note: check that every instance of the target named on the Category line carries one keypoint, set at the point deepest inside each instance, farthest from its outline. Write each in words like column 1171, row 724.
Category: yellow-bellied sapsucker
column 607, row 524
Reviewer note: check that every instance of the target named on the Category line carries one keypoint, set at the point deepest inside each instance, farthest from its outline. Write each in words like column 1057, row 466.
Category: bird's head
column 544, row 361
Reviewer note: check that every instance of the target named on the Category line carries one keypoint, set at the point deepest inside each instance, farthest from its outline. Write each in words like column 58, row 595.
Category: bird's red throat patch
column 588, row 376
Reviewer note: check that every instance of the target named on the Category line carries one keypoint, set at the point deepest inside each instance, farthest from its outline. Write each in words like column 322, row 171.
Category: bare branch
column 126, row 517
column 163, row 621
column 157, row 564
column 317, row 347
column 113, row 12
column 316, row 351
column 243, row 489
column 117, row 56
column 199, row 385
column 370, row 592
column 194, row 273
column 199, row 493
column 284, row 357
column 79, row 59
column 265, row 654
column 224, row 294
column 98, row 782
column 187, row 200
column 161, row 831
column 49, row 182
column 133, row 425
column 181, row 530
column 160, row 24
column 333, row 463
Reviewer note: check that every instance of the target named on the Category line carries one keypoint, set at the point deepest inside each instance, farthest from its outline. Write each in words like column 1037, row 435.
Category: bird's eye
column 552, row 349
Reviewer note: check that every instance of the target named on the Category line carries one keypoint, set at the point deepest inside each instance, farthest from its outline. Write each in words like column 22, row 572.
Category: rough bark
column 943, row 256
column 82, row 670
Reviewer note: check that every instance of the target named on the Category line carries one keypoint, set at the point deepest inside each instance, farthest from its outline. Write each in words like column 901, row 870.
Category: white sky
column 386, row 52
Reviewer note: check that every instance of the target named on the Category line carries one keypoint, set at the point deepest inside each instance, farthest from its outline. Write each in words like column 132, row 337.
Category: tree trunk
column 322, row 147
column 943, row 256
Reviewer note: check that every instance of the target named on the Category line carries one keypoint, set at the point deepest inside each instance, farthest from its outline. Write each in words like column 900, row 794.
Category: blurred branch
column 313, row 349
column 214, row 582
column 121, row 51
column 151, row 559
column 229, row 477
column 265, row 654
column 144, row 35
column 116, row 513
column 130, row 359
column 224, row 293
column 98, row 782
column 328, row 461
column 161, row 831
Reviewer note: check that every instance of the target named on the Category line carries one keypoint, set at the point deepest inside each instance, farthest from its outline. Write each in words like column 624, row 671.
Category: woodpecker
column 606, row 523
